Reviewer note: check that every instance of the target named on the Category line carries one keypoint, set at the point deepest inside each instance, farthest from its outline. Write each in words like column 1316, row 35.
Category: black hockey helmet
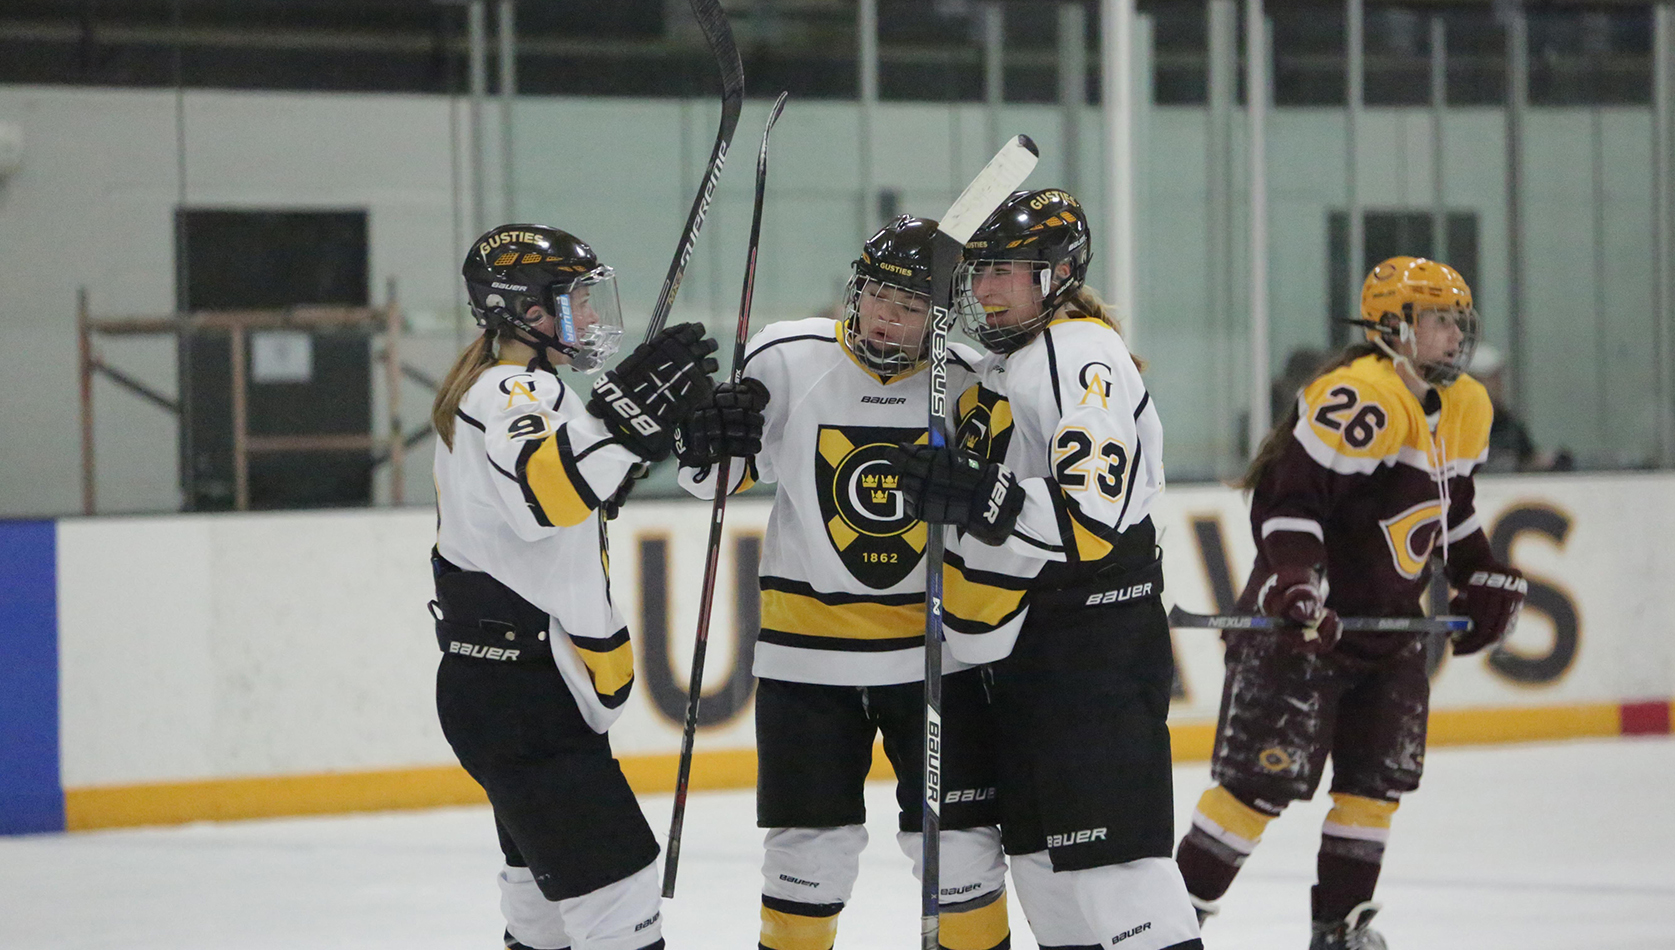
column 1038, row 230
column 895, row 268
column 519, row 266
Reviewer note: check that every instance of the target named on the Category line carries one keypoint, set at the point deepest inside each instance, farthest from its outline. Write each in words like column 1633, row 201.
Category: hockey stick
column 1455, row 625
column 713, row 21
column 1004, row 173
column 723, row 478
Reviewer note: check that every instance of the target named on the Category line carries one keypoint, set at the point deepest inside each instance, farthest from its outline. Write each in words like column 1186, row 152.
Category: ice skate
column 1351, row 933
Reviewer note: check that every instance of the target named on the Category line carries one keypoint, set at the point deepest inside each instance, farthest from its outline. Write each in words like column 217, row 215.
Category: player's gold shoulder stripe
column 554, row 488
column 1080, row 318
column 610, row 664
column 1467, row 415
column 976, row 601
column 1351, row 420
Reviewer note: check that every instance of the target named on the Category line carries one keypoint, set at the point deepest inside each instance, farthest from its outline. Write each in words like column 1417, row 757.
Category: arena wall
column 189, row 667
column 105, row 171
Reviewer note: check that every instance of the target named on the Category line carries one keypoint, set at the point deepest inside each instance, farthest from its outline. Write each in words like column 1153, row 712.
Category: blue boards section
column 31, row 798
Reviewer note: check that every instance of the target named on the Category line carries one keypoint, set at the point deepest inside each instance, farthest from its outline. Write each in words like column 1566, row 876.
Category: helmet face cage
column 1402, row 292
column 1046, row 231
column 587, row 318
column 974, row 316
column 1401, row 337
column 517, row 267
column 897, row 324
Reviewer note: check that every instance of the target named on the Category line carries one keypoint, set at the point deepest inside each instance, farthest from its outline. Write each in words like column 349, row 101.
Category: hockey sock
column 1351, row 854
column 1224, row 832
column 978, row 924
column 792, row 925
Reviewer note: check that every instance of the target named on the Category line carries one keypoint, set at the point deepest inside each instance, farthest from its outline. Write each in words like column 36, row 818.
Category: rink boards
column 176, row 668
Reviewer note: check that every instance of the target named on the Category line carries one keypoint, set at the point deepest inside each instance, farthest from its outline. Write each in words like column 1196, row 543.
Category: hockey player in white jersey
column 840, row 655
column 1052, row 578
column 536, row 658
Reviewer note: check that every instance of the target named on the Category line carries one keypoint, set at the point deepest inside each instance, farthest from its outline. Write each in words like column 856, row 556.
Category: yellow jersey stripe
column 799, row 613
column 978, row 601
column 547, row 472
column 610, row 664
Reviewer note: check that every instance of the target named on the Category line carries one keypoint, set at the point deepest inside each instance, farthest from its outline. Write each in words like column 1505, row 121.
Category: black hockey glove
column 655, row 388
column 729, row 425
column 1491, row 599
column 948, row 486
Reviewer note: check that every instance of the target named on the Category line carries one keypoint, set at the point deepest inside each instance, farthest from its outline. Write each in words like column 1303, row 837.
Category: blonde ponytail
column 1087, row 302
column 461, row 376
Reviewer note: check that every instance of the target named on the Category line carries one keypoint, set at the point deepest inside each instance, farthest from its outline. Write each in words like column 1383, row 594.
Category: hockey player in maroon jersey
column 1352, row 493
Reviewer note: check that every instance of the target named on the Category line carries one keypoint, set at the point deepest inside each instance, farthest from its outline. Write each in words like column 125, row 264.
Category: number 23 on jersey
column 1076, row 461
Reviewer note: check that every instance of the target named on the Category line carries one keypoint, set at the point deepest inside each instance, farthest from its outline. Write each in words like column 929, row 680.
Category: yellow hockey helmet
column 1397, row 291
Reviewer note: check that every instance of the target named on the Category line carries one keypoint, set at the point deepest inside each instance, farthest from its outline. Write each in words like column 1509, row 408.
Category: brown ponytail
column 461, row 376
column 1087, row 302
column 1274, row 442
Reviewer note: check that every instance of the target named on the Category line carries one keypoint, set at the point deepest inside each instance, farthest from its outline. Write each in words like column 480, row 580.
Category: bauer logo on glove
column 656, row 388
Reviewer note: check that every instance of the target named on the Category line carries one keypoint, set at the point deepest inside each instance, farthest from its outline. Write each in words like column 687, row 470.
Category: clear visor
column 886, row 325
column 1444, row 340
column 1000, row 302
column 587, row 319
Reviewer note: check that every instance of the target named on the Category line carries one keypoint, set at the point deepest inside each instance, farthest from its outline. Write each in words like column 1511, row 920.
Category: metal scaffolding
column 238, row 325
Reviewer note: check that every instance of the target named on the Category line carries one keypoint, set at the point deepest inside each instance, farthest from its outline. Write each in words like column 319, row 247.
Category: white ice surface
column 1558, row 845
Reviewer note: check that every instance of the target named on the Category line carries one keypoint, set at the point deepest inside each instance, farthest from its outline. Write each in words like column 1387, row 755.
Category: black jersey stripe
column 1055, row 548
column 461, row 413
column 1133, row 472
column 1145, row 401
column 1053, row 368
column 790, row 339
column 496, row 466
column 806, row 641
column 608, row 440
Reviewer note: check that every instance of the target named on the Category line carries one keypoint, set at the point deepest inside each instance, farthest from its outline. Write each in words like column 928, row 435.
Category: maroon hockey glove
column 1295, row 595
column 1491, row 599
column 729, row 425
column 948, row 486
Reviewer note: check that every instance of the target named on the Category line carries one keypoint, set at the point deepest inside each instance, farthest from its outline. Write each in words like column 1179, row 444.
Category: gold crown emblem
column 879, row 481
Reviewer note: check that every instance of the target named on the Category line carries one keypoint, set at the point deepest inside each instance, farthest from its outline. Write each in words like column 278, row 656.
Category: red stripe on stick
column 1645, row 719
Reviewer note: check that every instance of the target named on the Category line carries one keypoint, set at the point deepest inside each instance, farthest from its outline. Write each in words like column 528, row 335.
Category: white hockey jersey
column 1070, row 416
column 843, row 581
column 518, row 498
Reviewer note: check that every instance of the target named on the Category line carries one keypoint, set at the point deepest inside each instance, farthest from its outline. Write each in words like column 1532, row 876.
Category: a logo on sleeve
column 1095, row 380
column 862, row 505
column 519, row 388
column 985, row 423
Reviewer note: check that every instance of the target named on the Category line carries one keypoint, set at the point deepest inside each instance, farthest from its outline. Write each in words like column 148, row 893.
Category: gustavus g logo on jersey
column 865, row 514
